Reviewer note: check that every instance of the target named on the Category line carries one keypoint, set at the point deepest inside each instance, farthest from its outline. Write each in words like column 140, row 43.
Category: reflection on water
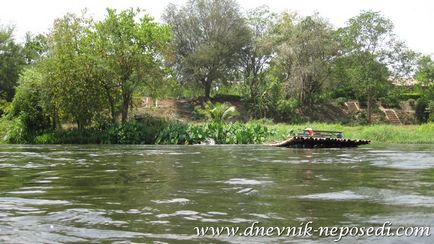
column 160, row 193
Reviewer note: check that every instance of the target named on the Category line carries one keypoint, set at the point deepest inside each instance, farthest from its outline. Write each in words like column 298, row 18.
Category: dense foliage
column 220, row 133
column 150, row 131
column 78, row 82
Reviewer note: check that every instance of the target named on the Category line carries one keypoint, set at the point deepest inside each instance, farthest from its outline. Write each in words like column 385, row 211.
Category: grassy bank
column 402, row 134
column 161, row 131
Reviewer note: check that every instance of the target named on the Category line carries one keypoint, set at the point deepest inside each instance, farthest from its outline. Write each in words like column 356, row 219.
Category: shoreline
column 377, row 134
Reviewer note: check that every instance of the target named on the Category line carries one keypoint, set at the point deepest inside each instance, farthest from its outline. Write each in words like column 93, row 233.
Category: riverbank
column 379, row 133
column 162, row 131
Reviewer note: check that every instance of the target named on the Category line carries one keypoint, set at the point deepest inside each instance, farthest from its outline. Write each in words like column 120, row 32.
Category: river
column 138, row 193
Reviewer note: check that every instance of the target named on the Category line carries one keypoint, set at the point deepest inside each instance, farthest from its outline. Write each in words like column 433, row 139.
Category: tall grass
column 381, row 133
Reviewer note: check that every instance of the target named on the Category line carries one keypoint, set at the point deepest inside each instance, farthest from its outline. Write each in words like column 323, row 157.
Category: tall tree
column 208, row 37
column 11, row 63
column 130, row 50
column 257, row 55
column 70, row 72
column 305, row 49
column 376, row 54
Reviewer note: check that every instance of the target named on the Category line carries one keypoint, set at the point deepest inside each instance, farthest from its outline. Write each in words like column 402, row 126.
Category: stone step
column 352, row 107
column 392, row 116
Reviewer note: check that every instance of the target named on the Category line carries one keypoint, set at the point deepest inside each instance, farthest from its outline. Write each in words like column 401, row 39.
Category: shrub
column 390, row 101
column 421, row 110
column 199, row 113
column 4, row 107
column 341, row 101
column 221, row 133
column 175, row 133
column 15, row 131
column 411, row 102
column 286, row 109
column 46, row 138
column 219, row 112
column 430, row 111
column 27, row 106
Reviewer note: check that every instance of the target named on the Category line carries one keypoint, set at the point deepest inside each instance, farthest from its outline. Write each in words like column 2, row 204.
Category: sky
column 414, row 20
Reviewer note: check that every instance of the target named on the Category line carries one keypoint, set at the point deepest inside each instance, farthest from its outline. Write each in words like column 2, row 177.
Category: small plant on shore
column 219, row 112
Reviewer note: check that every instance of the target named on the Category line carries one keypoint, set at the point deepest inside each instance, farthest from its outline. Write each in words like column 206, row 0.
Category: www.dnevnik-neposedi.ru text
column 306, row 230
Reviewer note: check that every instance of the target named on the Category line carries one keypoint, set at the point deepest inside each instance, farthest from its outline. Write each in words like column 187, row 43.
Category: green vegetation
column 79, row 82
column 216, row 112
column 221, row 133
column 406, row 134
column 149, row 131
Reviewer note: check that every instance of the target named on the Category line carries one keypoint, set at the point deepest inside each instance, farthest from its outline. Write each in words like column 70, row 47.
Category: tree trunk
column 80, row 125
column 112, row 111
column 56, row 122
column 125, row 107
column 207, row 86
column 112, row 108
column 111, row 103
column 369, row 109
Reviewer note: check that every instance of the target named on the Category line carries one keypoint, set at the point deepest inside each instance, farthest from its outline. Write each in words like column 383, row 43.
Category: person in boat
column 308, row 132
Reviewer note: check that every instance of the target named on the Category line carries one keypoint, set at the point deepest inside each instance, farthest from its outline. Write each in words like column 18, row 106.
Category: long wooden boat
column 319, row 139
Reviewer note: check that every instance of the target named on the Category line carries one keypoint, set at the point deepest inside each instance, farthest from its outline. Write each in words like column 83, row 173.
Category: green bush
column 46, row 138
column 286, row 109
column 390, row 101
column 15, row 131
column 144, row 130
column 4, row 107
column 421, row 110
column 221, row 133
column 27, row 106
column 430, row 111
column 341, row 101
column 199, row 113
column 411, row 102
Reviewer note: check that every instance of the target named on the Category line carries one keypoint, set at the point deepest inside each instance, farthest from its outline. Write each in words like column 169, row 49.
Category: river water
column 121, row 194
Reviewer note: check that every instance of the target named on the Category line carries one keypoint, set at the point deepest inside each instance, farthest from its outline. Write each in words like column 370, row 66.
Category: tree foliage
column 257, row 55
column 372, row 55
column 425, row 74
column 208, row 37
column 84, row 69
column 11, row 63
column 130, row 53
column 29, row 101
column 71, row 74
column 86, row 72
column 306, row 48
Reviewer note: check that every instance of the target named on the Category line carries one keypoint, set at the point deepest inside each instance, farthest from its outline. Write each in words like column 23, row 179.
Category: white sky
column 413, row 19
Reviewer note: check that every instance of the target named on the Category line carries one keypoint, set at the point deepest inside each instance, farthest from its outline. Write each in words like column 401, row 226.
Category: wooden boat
column 319, row 139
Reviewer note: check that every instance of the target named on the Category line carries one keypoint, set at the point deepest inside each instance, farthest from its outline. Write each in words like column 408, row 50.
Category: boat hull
column 315, row 142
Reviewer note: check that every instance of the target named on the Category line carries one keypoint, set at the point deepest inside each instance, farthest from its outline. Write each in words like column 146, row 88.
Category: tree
column 257, row 55
column 130, row 54
column 70, row 72
column 374, row 55
column 28, row 104
column 11, row 63
column 425, row 75
column 306, row 48
column 35, row 47
column 208, row 37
